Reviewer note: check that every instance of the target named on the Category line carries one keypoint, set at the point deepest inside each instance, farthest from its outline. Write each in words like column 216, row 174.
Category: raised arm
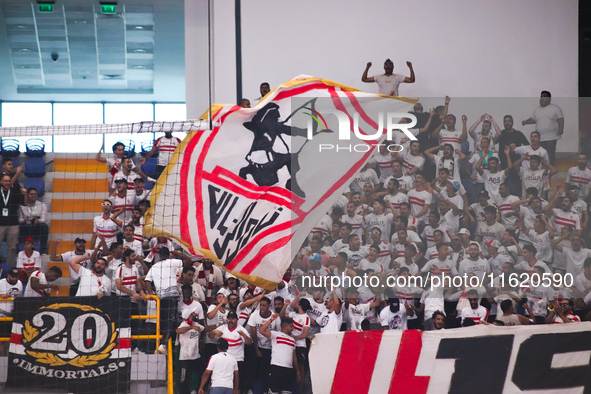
column 264, row 330
column 75, row 262
column 364, row 77
column 497, row 129
column 509, row 163
column 555, row 243
column 99, row 156
column 472, row 129
column 53, row 256
column 464, row 135
column 478, row 166
column 411, row 79
column 430, row 153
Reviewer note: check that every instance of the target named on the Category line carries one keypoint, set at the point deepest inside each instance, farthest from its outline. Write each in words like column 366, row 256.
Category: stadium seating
column 35, row 167
column 35, row 147
column 37, row 183
column 149, row 167
column 15, row 162
column 10, row 147
column 147, row 147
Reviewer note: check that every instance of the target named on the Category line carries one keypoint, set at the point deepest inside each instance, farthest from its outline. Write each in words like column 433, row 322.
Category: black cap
column 80, row 240
column 222, row 344
column 117, row 180
column 231, row 315
column 13, row 272
column 483, row 193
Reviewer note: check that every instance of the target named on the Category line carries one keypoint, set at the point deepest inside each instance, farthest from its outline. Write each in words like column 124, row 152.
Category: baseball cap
column 456, row 185
column 79, row 240
column 494, row 243
column 117, row 180
column 187, row 313
column 464, row 231
column 30, row 240
column 222, row 344
column 315, row 257
column 483, row 193
column 230, row 276
column 231, row 315
column 13, row 272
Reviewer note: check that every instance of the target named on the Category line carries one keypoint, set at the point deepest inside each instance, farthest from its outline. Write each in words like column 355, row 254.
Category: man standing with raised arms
column 388, row 82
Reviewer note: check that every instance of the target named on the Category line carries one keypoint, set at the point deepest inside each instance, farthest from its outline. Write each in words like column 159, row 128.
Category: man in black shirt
column 9, row 206
column 510, row 136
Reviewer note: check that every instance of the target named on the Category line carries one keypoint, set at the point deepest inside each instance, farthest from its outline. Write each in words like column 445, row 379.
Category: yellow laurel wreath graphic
column 30, row 333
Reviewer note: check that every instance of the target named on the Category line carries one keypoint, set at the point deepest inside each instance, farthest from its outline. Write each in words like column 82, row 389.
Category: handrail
column 157, row 336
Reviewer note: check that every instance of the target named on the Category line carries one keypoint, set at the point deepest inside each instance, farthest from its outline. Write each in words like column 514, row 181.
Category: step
column 62, row 185
column 63, row 226
column 78, row 165
column 70, row 205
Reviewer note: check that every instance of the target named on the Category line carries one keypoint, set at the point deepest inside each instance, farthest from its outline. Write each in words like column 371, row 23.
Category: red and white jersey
column 524, row 266
column 235, row 340
column 450, row 137
column 396, row 199
column 413, row 268
column 385, row 253
column 527, row 149
column 125, row 202
column 194, row 306
column 428, row 234
column 114, row 164
column 571, row 316
column 25, row 261
column 384, row 163
column 580, row 178
column 166, row 147
column 479, row 314
column 300, row 322
column 510, row 222
column 107, row 228
column 134, row 245
column 431, row 253
column 357, row 223
column 282, row 349
column 569, row 219
column 324, row 226
column 30, row 292
column 243, row 315
column 90, row 283
column 446, row 266
column 138, row 231
column 411, row 161
column 128, row 277
column 418, row 199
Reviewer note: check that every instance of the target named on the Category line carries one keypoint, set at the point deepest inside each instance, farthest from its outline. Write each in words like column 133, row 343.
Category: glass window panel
column 27, row 114
column 78, row 114
column 127, row 113
column 171, row 112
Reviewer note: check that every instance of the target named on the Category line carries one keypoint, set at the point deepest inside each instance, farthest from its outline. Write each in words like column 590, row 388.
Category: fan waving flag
column 247, row 191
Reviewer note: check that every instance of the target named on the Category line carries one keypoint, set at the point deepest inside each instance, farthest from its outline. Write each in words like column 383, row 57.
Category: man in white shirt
column 164, row 276
column 549, row 122
column 262, row 344
column 165, row 146
column 388, row 82
column 223, row 370
column 579, row 175
column 104, row 225
column 39, row 283
column 394, row 316
column 92, row 282
column 284, row 371
column 80, row 244
column 188, row 334
column 10, row 287
column 474, row 311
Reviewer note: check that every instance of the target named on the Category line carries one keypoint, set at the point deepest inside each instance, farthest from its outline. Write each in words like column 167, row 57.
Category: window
column 127, row 113
column 27, row 114
column 77, row 114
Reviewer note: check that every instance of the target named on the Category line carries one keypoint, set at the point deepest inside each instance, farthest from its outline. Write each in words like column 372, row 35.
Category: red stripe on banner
column 403, row 378
column 124, row 343
column 16, row 338
column 185, row 166
column 265, row 250
column 359, row 352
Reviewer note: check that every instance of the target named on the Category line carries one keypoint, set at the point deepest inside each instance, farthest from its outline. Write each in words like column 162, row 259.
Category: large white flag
column 246, row 191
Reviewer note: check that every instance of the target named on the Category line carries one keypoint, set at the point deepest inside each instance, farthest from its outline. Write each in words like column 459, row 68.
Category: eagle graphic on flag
column 247, row 193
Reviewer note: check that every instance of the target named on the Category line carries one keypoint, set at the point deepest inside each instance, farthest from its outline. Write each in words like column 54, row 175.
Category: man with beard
column 474, row 311
column 579, row 175
column 80, row 250
column 563, row 216
column 92, row 282
column 549, row 122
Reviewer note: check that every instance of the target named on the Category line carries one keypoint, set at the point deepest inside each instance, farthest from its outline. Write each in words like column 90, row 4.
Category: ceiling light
column 140, row 67
column 80, row 21
column 139, row 50
column 139, row 27
column 21, row 27
column 24, row 50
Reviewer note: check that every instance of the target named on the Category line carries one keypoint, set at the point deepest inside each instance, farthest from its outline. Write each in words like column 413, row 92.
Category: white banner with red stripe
column 533, row 359
column 243, row 192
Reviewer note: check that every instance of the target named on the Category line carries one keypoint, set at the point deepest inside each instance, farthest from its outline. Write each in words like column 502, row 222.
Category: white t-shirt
column 71, row 255
column 418, row 199
column 384, row 163
column 367, row 176
column 220, row 317
column 412, row 161
column 394, row 321
column 134, row 245
column 90, row 283
column 30, row 292
column 478, row 267
column 257, row 321
column 445, row 266
column 531, row 178
column 451, row 164
column 282, row 349
column 546, row 119
column 13, row 291
column 330, row 322
column 492, row 182
column 164, row 274
column 522, row 150
column 355, row 315
column 575, row 260
column 475, row 158
column 388, row 84
column 383, row 222
column 579, row 178
column 479, row 314
column 357, row 223
column 189, row 341
column 128, row 278
column 194, row 306
column 166, row 147
column 222, row 366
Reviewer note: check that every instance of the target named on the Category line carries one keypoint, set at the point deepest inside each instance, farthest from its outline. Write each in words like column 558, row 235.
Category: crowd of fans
column 459, row 203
